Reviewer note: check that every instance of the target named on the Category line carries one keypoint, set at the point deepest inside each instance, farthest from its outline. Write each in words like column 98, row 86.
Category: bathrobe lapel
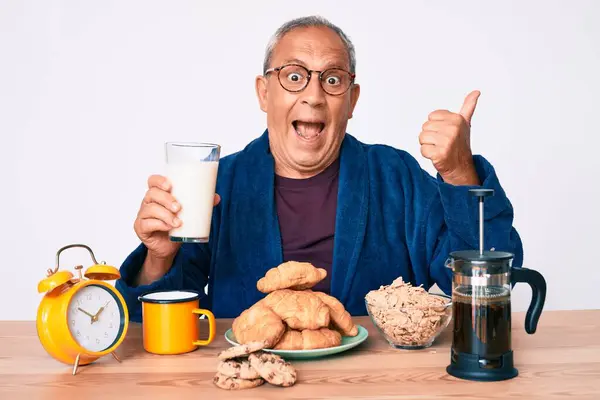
column 351, row 216
column 254, row 222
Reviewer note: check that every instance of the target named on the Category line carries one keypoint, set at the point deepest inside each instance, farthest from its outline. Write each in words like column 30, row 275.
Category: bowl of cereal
column 408, row 317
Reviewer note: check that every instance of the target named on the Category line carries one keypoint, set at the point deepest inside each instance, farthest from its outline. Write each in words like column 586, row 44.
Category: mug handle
column 211, row 327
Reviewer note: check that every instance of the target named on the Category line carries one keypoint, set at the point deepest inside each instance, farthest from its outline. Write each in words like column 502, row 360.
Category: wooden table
column 560, row 361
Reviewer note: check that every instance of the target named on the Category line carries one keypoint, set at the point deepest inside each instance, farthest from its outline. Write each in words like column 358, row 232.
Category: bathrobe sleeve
column 452, row 223
column 189, row 271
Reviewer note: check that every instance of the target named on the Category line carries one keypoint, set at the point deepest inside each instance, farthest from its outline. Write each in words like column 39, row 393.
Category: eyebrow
column 327, row 65
column 293, row 61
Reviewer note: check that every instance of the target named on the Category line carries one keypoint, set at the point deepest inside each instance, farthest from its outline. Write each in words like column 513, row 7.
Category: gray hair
column 305, row 22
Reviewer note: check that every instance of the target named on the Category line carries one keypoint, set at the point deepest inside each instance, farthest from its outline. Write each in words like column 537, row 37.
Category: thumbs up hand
column 446, row 141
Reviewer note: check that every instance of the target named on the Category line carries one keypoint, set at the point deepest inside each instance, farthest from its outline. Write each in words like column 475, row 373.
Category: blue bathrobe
column 393, row 219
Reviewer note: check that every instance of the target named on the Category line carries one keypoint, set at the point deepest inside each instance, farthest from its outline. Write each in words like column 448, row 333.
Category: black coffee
column 482, row 325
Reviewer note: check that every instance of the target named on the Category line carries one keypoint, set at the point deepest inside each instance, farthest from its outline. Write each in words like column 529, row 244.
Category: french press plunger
column 481, row 308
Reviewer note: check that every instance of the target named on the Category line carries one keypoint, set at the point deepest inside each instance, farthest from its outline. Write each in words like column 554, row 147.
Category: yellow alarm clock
column 81, row 319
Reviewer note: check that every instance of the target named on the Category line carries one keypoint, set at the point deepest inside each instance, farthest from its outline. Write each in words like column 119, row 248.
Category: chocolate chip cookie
column 241, row 350
column 231, row 383
column 273, row 368
column 237, row 368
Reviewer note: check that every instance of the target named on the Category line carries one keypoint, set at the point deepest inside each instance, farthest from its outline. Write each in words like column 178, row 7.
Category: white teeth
column 307, row 137
column 308, row 130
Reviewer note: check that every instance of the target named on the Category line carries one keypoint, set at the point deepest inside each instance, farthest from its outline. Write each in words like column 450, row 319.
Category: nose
column 313, row 94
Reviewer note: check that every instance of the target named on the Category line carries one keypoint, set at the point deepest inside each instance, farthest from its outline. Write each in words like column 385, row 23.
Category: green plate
column 348, row 342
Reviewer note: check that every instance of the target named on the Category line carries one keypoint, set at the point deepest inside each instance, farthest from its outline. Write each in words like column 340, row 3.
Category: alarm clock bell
column 81, row 318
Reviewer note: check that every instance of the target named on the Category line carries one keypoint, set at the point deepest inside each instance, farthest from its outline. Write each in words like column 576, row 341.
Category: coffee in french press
column 481, row 308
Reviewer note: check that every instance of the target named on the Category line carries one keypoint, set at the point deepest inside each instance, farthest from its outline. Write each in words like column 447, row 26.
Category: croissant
column 321, row 338
column 309, row 339
column 298, row 309
column 291, row 340
column 340, row 318
column 293, row 275
column 258, row 323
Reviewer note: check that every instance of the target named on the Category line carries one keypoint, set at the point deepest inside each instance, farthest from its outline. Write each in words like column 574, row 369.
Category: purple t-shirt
column 306, row 209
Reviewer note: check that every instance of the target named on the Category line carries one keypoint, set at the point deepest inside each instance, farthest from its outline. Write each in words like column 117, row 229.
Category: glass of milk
column 192, row 170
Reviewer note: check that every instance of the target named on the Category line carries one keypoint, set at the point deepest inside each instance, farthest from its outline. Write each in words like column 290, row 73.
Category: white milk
column 193, row 186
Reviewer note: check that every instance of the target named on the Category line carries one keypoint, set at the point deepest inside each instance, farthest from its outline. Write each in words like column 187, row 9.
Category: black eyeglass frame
column 310, row 72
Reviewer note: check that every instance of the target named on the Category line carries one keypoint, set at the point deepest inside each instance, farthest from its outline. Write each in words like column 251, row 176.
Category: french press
column 481, row 308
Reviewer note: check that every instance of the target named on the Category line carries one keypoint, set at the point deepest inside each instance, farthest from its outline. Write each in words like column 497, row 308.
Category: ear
column 261, row 92
column 354, row 93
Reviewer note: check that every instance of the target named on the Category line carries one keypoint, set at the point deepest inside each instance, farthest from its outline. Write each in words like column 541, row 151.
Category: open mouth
column 308, row 129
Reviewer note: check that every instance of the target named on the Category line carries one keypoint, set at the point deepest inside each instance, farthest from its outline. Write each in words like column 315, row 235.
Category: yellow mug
column 169, row 322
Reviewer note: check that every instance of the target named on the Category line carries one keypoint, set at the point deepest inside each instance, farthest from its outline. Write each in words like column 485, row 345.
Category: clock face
column 95, row 318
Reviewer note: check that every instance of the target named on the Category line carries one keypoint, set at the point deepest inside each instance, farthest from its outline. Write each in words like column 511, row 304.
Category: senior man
column 306, row 190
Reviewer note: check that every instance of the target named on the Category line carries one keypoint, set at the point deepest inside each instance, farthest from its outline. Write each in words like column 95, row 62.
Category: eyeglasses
column 295, row 78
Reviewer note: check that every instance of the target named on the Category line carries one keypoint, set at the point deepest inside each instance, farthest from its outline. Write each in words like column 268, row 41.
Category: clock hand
column 85, row 312
column 95, row 317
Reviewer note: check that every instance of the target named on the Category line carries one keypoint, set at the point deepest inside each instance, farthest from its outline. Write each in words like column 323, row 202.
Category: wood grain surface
column 560, row 361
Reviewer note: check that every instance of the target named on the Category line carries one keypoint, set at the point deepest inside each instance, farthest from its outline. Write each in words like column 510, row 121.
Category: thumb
column 468, row 107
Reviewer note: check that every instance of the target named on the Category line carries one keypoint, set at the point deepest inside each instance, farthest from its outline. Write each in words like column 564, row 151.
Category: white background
column 90, row 90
